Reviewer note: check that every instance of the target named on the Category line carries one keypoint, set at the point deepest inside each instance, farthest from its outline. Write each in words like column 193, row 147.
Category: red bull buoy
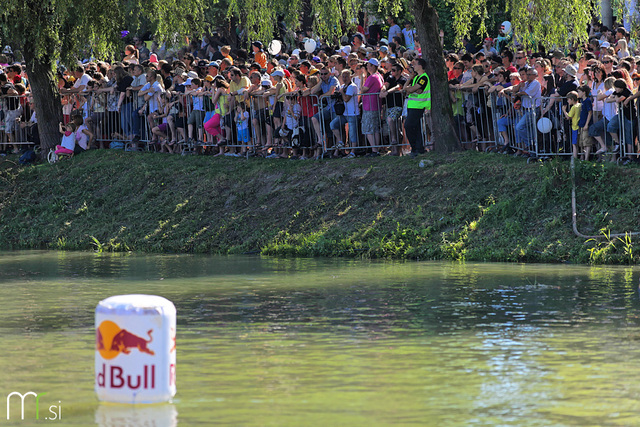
column 135, row 349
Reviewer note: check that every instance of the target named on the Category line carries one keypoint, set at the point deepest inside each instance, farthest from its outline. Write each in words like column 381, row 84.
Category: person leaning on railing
column 418, row 90
column 14, row 109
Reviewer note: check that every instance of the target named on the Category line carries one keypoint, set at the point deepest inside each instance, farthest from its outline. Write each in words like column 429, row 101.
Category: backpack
column 27, row 157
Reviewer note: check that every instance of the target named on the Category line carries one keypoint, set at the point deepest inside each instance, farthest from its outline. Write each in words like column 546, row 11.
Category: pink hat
column 153, row 58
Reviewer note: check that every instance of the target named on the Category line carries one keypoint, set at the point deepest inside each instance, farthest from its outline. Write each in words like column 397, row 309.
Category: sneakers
column 602, row 150
column 616, row 148
column 351, row 156
column 373, row 154
column 340, row 144
column 272, row 156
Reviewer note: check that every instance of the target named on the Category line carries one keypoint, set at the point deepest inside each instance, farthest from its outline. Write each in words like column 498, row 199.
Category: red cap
column 489, row 39
column 287, row 73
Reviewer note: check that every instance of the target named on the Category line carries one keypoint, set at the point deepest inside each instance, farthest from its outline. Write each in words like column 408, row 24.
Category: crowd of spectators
column 588, row 94
column 369, row 97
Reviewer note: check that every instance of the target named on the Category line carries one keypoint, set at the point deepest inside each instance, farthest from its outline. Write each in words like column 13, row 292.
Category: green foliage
column 468, row 206
column 63, row 29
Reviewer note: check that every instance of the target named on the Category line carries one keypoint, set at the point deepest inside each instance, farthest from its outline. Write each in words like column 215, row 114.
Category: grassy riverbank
column 464, row 206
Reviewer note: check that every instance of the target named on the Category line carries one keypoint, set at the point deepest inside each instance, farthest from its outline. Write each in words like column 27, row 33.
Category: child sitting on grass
column 68, row 143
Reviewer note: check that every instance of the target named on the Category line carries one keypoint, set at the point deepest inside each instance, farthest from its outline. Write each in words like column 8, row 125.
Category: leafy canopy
column 65, row 29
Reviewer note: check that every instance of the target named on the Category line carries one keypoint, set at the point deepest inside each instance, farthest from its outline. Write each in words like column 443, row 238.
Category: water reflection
column 113, row 415
column 290, row 342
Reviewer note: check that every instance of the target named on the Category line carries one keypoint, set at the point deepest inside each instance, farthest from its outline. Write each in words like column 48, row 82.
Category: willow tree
column 552, row 22
column 62, row 30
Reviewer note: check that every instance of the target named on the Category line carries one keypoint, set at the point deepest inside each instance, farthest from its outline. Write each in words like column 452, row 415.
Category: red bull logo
column 111, row 341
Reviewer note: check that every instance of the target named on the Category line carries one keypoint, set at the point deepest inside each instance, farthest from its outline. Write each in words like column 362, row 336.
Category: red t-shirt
column 308, row 105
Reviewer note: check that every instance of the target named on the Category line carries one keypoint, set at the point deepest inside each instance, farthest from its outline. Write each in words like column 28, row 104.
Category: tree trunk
column 443, row 129
column 46, row 97
column 607, row 13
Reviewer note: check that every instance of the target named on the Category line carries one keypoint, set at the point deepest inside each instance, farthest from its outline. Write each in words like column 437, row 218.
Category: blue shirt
column 587, row 105
column 326, row 87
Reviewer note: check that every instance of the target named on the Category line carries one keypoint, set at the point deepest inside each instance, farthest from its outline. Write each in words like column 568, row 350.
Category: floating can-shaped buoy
column 135, row 349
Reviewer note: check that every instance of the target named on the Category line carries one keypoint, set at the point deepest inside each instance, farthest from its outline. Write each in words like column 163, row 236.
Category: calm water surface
column 333, row 342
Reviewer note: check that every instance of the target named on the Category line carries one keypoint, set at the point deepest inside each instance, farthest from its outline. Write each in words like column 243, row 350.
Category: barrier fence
column 321, row 126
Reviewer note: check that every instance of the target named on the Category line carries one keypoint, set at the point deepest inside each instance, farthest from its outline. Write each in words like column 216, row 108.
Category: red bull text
column 135, row 352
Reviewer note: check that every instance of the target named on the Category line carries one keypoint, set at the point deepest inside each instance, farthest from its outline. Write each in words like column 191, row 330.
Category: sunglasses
column 607, row 62
column 519, row 57
column 324, row 74
column 637, row 79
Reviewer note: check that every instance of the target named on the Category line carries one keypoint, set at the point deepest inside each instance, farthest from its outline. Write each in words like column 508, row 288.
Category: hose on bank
column 574, row 214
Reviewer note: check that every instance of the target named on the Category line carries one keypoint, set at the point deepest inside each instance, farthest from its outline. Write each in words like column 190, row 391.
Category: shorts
column 162, row 127
column 394, row 113
column 243, row 135
column 370, row 122
column 10, row 119
column 196, row 118
column 262, row 116
column 277, row 110
column 585, row 140
column 574, row 136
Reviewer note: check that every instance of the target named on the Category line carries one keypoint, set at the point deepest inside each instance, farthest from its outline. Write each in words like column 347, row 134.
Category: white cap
column 295, row 52
column 374, row 62
column 192, row 75
column 277, row 73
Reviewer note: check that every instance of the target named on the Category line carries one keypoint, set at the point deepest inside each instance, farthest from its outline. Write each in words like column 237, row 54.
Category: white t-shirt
column 595, row 91
column 609, row 110
column 155, row 92
column 69, row 141
column 351, row 107
column 81, row 138
column 82, row 81
column 409, row 38
column 290, row 120
column 394, row 31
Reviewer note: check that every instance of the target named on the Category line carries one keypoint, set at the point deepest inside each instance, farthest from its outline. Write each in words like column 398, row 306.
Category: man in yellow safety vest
column 418, row 90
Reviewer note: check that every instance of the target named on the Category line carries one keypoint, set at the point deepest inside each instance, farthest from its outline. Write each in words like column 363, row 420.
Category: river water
column 309, row 342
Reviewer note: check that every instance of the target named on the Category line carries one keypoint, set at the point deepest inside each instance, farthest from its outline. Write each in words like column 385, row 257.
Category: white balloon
column 506, row 27
column 310, row 45
column 275, row 47
column 544, row 125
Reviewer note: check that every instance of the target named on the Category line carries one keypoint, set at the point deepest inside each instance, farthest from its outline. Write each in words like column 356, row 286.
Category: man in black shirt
column 392, row 92
column 623, row 96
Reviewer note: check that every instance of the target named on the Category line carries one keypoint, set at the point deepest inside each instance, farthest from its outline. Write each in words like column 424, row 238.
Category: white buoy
column 135, row 349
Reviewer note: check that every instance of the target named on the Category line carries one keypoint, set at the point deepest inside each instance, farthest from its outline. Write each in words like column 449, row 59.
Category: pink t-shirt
column 372, row 102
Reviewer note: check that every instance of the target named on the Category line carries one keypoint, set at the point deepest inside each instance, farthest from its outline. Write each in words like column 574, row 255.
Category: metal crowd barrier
column 187, row 124
column 501, row 123
column 379, row 128
column 16, row 128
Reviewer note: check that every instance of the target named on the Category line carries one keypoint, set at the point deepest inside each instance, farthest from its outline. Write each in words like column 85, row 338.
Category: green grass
column 465, row 206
